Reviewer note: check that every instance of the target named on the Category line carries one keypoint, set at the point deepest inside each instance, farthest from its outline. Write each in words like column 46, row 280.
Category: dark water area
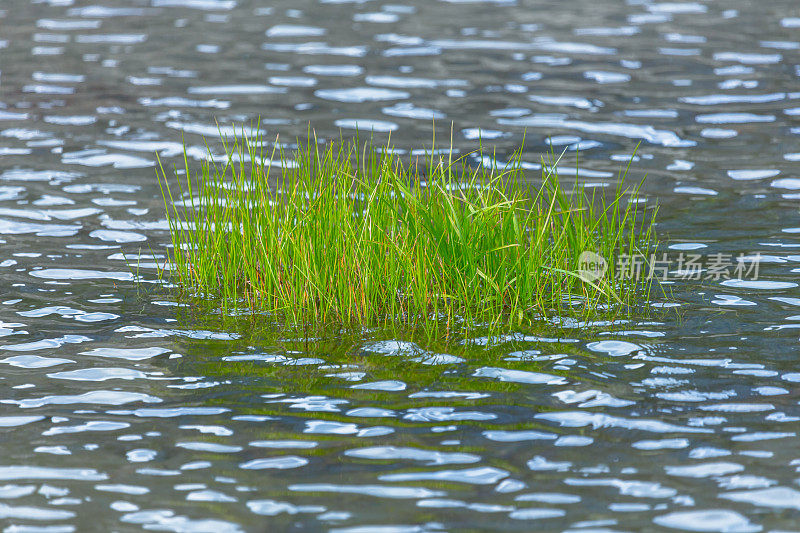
column 117, row 414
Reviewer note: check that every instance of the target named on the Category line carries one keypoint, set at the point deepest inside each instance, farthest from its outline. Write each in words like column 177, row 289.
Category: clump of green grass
column 346, row 235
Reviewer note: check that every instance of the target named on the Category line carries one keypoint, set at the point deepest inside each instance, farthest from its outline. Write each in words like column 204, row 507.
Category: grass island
column 346, row 234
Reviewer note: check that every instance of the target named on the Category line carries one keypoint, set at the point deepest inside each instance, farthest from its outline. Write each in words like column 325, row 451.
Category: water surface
column 119, row 416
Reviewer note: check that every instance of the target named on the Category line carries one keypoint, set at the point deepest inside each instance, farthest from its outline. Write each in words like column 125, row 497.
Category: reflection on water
column 117, row 416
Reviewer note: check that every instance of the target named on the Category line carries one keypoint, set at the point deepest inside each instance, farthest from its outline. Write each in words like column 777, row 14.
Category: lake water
column 117, row 415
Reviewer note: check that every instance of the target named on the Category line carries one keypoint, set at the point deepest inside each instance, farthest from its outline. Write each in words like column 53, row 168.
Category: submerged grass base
column 348, row 236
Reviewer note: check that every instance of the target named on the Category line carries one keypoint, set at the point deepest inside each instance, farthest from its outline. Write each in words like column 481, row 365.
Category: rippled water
column 119, row 416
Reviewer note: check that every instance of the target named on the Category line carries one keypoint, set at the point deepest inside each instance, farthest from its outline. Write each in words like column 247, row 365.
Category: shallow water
column 119, row 416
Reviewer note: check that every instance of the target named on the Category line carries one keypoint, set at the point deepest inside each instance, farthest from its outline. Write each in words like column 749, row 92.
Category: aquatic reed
column 346, row 235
